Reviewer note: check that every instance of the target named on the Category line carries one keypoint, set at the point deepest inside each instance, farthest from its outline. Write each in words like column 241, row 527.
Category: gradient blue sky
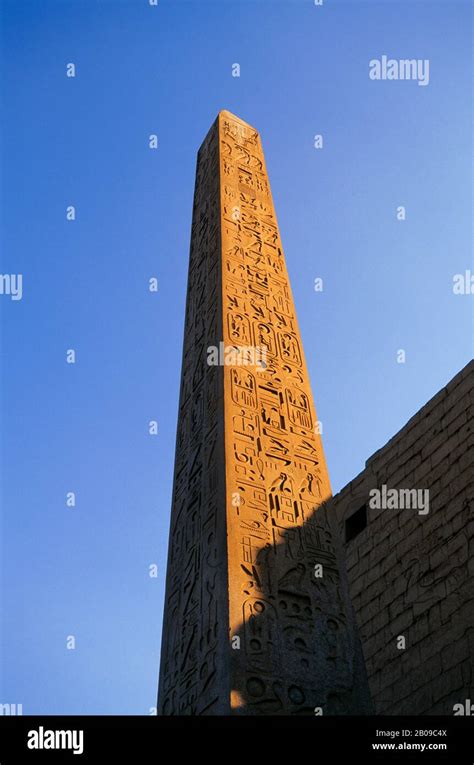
column 84, row 141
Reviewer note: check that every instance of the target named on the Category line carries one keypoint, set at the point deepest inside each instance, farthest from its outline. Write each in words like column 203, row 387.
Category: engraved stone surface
column 257, row 613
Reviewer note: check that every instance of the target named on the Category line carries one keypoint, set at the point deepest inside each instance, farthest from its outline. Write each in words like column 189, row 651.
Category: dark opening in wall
column 356, row 523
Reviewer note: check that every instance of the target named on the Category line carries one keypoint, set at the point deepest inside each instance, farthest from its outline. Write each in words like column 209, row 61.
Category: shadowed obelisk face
column 257, row 618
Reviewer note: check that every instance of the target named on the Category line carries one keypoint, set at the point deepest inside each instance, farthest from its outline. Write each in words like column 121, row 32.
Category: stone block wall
column 411, row 572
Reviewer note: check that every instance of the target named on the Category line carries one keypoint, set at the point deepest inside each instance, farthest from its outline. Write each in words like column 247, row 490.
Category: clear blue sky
column 83, row 571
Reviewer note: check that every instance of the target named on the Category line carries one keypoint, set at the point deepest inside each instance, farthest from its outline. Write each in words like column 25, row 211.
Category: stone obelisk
column 257, row 618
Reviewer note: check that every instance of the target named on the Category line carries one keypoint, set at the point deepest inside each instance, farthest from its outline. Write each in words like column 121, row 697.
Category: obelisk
column 257, row 618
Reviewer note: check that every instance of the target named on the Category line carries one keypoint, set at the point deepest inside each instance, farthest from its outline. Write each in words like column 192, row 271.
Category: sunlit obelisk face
column 257, row 619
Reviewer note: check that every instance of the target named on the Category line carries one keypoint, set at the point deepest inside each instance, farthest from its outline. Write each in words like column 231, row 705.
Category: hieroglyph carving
column 250, row 472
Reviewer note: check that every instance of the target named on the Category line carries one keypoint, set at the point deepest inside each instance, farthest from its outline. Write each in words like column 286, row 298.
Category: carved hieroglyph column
column 257, row 618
